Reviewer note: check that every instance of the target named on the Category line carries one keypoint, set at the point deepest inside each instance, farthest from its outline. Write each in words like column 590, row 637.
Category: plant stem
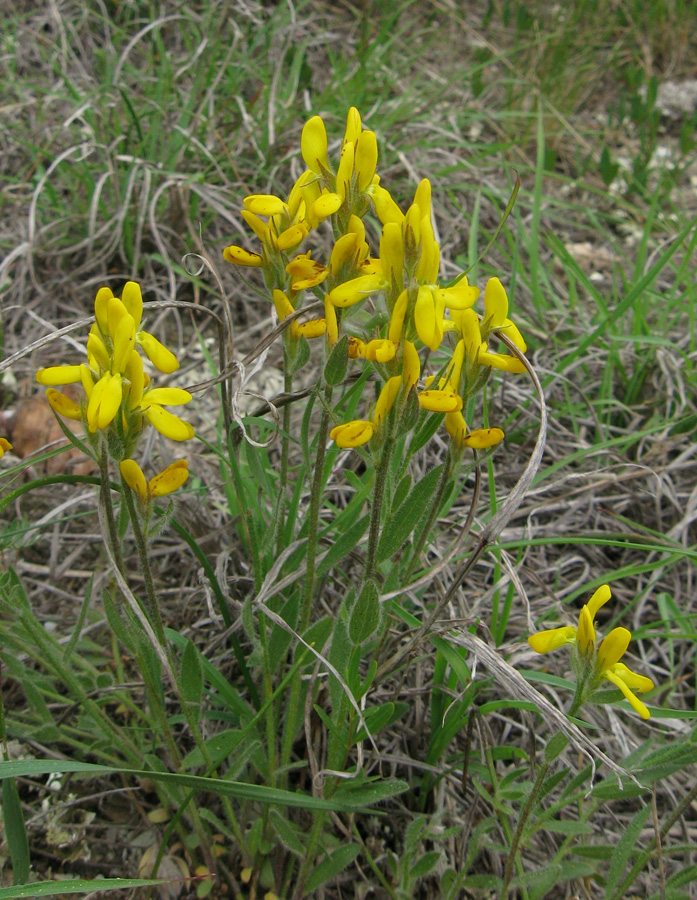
column 105, row 497
column 291, row 720
column 283, row 475
column 376, row 507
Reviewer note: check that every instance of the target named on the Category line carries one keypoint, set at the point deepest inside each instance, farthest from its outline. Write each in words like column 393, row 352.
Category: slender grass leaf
column 15, row 831
column 74, row 886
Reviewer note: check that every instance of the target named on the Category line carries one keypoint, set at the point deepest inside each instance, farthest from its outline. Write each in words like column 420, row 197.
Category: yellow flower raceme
column 5, row 445
column 169, row 480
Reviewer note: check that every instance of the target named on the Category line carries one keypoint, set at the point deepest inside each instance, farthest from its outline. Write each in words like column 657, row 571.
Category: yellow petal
column 456, row 427
column 132, row 299
column 133, row 476
column 510, row 329
column 101, row 306
column 429, row 261
column 291, row 237
column 422, row 197
column 104, row 402
column 169, row 479
column 500, row 361
column 397, row 319
column 411, row 364
column 5, row 445
column 356, row 289
column 635, row 702
column 613, row 648
column 353, row 126
column 586, row 633
column 482, row 438
column 345, row 171
column 283, row 305
column 331, row 320
column 440, row 401
column 380, row 350
column 58, row 375
column 352, row 434
column 385, row 207
column 136, row 377
column 326, row 206
column 387, row 397
column 166, row 396
column 599, row 598
column 169, row 425
column 546, row 641
column 313, row 329
column 343, row 252
column 258, row 226
column 454, row 370
column 241, row 257
column 97, row 348
column 461, row 295
column 429, row 325
column 63, row 405
column 366, row 158
column 636, row 682
column 124, row 342
column 496, row 303
column 313, row 145
column 392, row 253
column 163, row 359
column 264, row 204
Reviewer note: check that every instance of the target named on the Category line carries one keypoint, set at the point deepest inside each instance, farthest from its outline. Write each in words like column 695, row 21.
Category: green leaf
column 454, row 656
column 365, row 615
column 337, row 364
column 287, row 833
column 15, row 831
column 331, row 866
column 73, row 886
column 566, row 826
column 624, row 848
column 378, row 717
column 556, row 745
column 343, row 545
column 407, row 515
column 192, row 676
column 366, row 794
column 300, row 357
column 219, row 747
column 425, row 865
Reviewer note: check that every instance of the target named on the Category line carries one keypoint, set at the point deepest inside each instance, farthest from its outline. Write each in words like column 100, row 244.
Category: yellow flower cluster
column 116, row 386
column 603, row 663
column 415, row 310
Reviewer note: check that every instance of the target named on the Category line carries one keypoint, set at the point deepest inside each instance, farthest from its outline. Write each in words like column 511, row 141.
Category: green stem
column 105, row 496
column 517, row 834
column 283, row 475
column 291, row 720
column 313, row 513
column 376, row 510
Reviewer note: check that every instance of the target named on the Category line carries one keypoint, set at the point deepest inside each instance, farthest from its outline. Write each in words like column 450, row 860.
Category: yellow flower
column 584, row 635
column 238, row 256
column 104, row 401
column 480, row 439
column 386, row 400
column 56, row 375
column 308, row 272
column 63, row 405
column 5, row 445
column 608, row 664
column 352, row 434
column 313, row 145
column 428, row 316
column 169, row 480
column 445, row 401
